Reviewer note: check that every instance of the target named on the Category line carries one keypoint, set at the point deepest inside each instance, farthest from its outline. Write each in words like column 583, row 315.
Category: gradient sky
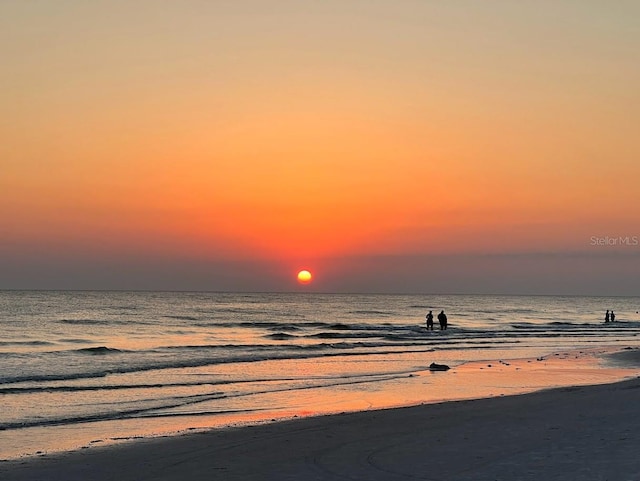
column 388, row 146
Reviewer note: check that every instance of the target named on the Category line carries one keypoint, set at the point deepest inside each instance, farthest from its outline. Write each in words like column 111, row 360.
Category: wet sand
column 586, row 433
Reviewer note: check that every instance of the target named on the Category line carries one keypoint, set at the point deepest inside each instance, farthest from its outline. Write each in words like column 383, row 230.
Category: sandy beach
column 585, row 433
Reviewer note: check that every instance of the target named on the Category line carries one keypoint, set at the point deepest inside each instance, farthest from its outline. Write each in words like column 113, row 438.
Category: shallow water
column 78, row 368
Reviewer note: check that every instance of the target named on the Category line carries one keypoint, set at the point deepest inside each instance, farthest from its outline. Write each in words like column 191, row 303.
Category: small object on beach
column 438, row 367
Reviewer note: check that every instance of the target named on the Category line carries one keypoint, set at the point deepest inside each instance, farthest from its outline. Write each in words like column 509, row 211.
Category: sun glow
column 304, row 277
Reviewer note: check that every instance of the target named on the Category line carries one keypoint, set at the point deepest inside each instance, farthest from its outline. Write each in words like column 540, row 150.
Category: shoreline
column 469, row 380
column 586, row 432
column 153, row 452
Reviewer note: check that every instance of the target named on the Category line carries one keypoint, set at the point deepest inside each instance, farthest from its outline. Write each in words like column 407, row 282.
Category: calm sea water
column 97, row 366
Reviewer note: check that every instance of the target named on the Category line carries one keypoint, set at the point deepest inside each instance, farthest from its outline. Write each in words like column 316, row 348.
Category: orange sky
column 210, row 132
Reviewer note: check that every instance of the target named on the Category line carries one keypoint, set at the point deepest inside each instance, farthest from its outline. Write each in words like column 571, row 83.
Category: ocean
column 84, row 368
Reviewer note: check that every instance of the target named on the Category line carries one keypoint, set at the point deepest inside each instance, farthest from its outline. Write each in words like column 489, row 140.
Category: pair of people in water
column 442, row 319
column 609, row 317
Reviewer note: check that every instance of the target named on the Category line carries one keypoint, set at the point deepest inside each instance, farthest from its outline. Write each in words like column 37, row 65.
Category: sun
column 304, row 277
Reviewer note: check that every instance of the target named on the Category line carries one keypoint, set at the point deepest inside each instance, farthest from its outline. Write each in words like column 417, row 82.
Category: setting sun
column 304, row 277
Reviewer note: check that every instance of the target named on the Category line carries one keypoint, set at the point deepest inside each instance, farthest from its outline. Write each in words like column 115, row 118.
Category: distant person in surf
column 606, row 316
column 430, row 320
column 613, row 316
column 442, row 319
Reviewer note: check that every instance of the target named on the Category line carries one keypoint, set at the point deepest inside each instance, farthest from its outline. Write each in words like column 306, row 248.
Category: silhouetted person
column 430, row 320
column 613, row 316
column 442, row 319
column 606, row 316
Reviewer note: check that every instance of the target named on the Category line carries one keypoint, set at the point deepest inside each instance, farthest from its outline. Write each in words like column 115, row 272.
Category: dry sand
column 577, row 433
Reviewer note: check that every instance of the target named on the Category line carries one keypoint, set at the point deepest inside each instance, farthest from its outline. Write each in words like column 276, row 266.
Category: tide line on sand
column 586, row 433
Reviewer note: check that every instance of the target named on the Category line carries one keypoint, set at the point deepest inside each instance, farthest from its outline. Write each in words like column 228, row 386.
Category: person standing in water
column 613, row 316
column 606, row 316
column 442, row 319
column 430, row 320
